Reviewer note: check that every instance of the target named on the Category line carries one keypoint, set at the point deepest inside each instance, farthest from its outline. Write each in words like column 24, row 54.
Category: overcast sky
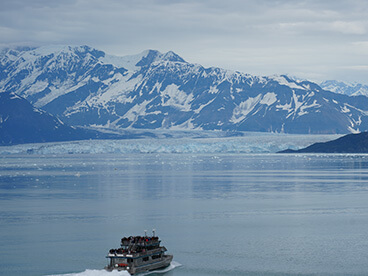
column 317, row 40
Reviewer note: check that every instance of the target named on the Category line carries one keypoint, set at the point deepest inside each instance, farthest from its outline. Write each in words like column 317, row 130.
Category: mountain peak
column 150, row 56
column 67, row 49
column 28, row 55
column 145, row 58
column 171, row 56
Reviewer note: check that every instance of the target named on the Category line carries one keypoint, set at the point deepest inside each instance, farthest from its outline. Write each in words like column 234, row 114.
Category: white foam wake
column 102, row 272
column 95, row 272
column 170, row 267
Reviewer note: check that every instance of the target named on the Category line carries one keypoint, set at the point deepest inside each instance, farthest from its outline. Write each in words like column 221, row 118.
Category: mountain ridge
column 341, row 87
column 350, row 143
column 20, row 122
column 86, row 87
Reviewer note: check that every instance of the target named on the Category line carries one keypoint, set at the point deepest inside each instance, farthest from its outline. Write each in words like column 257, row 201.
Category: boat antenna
column 153, row 231
column 145, row 233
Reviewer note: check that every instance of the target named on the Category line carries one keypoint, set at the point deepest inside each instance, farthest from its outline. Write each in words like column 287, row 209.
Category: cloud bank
column 310, row 39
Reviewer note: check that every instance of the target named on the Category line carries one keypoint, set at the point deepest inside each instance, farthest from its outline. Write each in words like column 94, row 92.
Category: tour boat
column 139, row 254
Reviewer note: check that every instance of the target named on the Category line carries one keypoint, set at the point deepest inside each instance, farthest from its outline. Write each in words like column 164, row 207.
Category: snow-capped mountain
column 154, row 90
column 351, row 89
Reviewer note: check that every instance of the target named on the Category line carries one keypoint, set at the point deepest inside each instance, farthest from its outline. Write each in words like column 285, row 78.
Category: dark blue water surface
column 230, row 214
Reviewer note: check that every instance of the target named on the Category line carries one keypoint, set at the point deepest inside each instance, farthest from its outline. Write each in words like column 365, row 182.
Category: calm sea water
column 224, row 214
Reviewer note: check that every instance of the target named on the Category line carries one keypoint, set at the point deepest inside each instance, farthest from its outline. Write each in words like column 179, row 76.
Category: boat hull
column 161, row 264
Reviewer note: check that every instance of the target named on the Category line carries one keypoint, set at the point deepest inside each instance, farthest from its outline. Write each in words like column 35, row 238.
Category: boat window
column 145, row 259
column 156, row 256
column 130, row 260
column 119, row 260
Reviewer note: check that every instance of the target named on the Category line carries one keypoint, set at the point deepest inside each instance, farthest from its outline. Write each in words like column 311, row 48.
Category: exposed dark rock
column 351, row 143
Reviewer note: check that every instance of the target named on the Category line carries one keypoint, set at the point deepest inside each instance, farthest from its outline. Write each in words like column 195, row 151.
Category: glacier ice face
column 250, row 143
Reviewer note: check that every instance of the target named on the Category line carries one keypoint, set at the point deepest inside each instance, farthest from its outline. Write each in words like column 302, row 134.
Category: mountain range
column 83, row 86
column 351, row 89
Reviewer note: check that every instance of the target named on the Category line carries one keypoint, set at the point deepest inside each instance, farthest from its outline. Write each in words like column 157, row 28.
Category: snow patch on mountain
column 128, row 62
column 269, row 98
column 36, row 87
column 119, row 90
column 173, row 96
column 213, row 90
column 57, row 91
column 136, row 111
column 283, row 80
column 345, row 109
column 244, row 108
column 305, row 106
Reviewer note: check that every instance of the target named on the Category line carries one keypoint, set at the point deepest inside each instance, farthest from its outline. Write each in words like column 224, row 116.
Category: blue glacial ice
column 249, row 143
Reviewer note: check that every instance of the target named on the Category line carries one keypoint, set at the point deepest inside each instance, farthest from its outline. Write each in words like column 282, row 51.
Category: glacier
column 252, row 142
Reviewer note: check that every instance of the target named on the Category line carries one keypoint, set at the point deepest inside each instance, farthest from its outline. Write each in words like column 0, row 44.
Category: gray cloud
column 311, row 39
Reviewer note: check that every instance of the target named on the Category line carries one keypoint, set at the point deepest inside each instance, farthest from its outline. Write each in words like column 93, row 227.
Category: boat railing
column 136, row 253
column 138, row 240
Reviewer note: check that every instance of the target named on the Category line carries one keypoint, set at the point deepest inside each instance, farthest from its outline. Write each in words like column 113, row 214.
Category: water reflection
column 260, row 213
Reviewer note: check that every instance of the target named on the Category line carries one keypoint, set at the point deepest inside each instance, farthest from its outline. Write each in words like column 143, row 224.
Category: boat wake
column 102, row 272
column 167, row 269
column 95, row 272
